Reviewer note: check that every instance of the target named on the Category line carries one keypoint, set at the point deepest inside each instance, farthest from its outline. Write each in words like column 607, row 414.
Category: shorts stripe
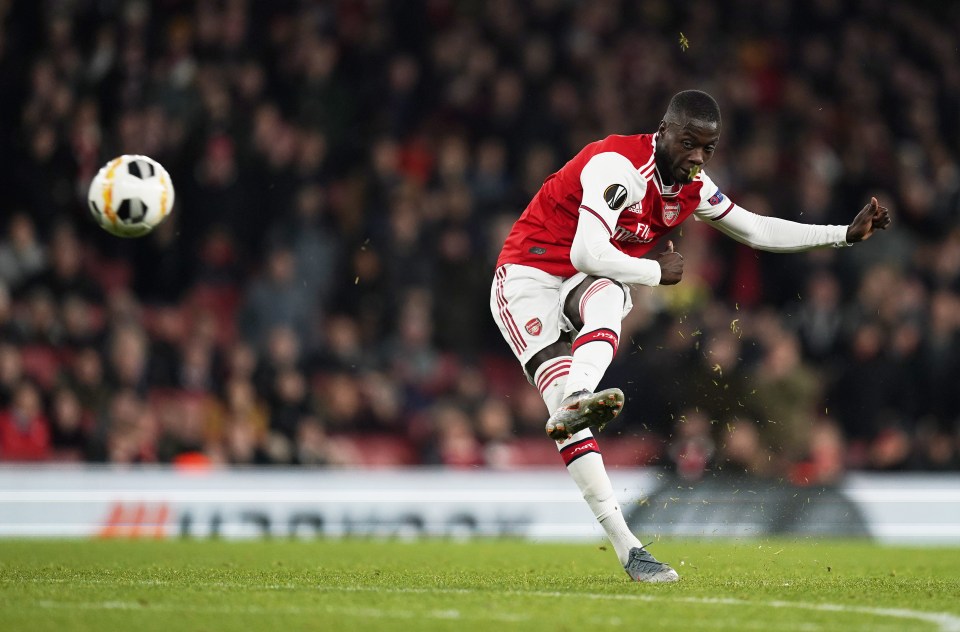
column 512, row 326
column 593, row 289
column 515, row 337
column 551, row 373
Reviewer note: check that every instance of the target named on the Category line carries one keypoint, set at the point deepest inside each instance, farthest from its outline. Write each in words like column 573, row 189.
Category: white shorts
column 527, row 304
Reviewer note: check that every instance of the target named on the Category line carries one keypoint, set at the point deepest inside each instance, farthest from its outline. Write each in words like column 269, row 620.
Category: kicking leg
column 581, row 454
column 595, row 307
column 527, row 297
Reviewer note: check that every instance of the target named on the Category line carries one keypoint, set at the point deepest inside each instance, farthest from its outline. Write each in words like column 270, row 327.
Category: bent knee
column 600, row 291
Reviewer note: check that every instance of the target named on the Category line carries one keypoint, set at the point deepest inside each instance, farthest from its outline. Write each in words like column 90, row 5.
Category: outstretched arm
column 779, row 235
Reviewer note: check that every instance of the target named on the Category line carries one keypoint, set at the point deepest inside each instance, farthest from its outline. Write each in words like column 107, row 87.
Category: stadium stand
column 345, row 173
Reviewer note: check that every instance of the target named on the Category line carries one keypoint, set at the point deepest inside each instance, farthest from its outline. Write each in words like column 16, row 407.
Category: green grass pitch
column 168, row 586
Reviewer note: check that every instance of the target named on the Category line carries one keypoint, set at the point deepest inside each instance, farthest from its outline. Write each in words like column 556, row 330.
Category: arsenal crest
column 671, row 211
column 534, row 326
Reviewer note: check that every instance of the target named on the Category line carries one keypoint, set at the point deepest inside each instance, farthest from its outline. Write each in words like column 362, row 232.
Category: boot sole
column 595, row 410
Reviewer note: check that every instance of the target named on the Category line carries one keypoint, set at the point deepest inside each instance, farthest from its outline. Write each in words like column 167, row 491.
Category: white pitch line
column 367, row 612
column 944, row 621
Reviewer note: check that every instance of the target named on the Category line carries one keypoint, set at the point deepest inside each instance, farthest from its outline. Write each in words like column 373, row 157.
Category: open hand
column 671, row 265
column 872, row 217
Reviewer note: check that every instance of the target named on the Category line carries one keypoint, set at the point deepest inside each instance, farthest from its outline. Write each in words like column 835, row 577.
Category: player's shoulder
column 705, row 180
column 629, row 157
column 703, row 186
column 637, row 148
column 694, row 192
column 710, row 200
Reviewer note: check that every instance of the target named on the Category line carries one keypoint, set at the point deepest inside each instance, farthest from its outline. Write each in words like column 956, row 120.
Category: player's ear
column 662, row 127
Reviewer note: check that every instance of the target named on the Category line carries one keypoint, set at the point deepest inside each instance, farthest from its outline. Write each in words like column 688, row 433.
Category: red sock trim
column 605, row 335
column 574, row 451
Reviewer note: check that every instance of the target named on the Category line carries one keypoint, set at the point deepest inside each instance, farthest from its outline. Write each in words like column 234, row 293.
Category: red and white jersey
column 616, row 180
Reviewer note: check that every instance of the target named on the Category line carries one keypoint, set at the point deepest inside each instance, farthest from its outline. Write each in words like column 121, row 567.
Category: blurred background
column 346, row 172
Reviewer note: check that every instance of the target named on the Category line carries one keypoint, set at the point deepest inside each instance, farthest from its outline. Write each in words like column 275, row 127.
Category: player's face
column 683, row 150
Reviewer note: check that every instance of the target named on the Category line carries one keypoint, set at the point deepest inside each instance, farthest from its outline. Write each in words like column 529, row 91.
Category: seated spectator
column 11, row 372
column 342, row 346
column 85, row 376
column 244, row 444
column 288, row 402
column 70, row 426
column 692, row 447
column 740, row 450
column 130, row 430
column 8, row 328
column 65, row 274
column 340, row 400
column 314, row 447
column 454, row 443
column 243, row 403
column 42, row 324
column 24, row 428
column 127, row 358
column 197, row 370
column 81, row 327
column 276, row 299
column 384, row 402
column 22, row 256
column 495, row 431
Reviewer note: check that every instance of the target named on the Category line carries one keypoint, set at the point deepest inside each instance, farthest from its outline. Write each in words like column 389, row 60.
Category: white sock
column 582, row 456
column 601, row 309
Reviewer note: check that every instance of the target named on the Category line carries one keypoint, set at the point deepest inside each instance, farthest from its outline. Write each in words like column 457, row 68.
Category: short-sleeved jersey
column 616, row 180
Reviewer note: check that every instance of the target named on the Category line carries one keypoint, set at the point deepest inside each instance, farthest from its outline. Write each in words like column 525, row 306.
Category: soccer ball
column 130, row 196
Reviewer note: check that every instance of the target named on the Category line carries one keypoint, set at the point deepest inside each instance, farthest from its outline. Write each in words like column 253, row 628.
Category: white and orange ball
column 130, row 196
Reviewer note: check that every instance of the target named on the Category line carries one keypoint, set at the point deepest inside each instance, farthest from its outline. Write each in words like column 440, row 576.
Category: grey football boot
column 582, row 410
column 643, row 567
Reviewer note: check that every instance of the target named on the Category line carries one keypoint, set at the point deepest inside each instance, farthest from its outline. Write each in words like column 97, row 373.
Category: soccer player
column 560, row 289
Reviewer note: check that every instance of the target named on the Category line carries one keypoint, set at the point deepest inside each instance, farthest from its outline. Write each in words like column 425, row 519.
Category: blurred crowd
column 346, row 172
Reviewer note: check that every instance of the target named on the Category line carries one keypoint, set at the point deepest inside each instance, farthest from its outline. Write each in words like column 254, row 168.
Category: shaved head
column 693, row 106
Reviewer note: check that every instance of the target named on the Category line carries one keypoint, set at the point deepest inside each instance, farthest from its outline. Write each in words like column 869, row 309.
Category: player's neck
column 663, row 169
column 663, row 173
